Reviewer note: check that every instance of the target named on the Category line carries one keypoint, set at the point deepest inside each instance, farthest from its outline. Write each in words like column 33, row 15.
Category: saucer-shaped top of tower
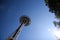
column 25, row 20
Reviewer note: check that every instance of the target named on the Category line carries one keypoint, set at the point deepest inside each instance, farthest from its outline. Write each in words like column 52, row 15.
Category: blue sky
column 41, row 19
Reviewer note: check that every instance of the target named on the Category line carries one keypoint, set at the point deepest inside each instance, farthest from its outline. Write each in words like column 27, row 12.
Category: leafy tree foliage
column 54, row 7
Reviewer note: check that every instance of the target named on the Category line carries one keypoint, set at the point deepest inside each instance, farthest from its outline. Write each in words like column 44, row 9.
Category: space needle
column 25, row 21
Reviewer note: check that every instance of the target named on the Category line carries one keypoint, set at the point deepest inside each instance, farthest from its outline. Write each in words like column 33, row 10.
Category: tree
column 54, row 7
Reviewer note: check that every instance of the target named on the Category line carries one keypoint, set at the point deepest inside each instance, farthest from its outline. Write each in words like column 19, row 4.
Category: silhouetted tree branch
column 54, row 7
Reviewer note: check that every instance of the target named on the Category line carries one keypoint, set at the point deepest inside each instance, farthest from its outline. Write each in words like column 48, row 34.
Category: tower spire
column 25, row 21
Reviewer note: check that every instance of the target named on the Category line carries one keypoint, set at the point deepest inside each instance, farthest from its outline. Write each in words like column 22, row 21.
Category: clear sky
column 41, row 19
